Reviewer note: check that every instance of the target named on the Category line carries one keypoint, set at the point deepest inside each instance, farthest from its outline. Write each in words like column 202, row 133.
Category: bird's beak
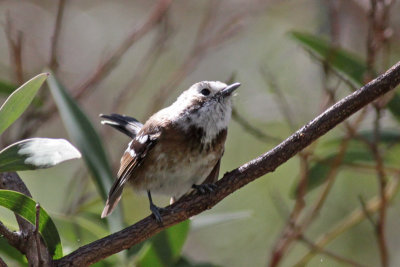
column 227, row 91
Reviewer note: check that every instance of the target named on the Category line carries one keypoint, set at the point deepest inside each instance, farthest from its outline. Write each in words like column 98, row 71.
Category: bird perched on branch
column 179, row 148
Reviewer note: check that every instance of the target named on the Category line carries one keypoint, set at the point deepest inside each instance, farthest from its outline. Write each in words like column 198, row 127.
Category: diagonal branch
column 194, row 203
column 159, row 11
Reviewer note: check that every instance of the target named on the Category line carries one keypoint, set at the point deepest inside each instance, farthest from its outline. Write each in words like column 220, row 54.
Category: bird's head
column 205, row 105
column 207, row 93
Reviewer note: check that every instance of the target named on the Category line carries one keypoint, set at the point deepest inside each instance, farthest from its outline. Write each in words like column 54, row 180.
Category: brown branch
column 338, row 258
column 103, row 69
column 13, row 238
column 37, row 234
column 145, row 66
column 15, row 46
column 53, row 63
column 204, row 42
column 108, row 65
column 27, row 244
column 355, row 217
column 380, row 226
column 2, row 263
column 193, row 204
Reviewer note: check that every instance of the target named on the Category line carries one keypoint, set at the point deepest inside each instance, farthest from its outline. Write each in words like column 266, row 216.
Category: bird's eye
column 205, row 91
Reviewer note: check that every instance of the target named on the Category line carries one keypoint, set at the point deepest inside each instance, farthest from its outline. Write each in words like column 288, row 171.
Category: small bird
column 178, row 149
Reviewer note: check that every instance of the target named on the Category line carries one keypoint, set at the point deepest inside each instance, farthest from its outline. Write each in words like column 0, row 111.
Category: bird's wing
column 132, row 158
column 213, row 176
column 125, row 124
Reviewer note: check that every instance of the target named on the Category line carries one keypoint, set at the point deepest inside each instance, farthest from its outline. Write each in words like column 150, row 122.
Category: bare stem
column 37, row 234
column 53, row 63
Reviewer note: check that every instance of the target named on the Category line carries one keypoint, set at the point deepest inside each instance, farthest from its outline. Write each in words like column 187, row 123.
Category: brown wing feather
column 213, row 176
column 128, row 164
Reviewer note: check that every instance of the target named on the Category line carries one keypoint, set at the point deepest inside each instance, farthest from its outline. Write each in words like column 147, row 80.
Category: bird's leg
column 154, row 209
column 204, row 188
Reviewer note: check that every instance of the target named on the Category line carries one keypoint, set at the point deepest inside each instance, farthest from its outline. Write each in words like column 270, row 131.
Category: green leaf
column 387, row 137
column 165, row 248
column 82, row 132
column 7, row 88
column 318, row 173
column 36, row 153
column 184, row 262
column 11, row 252
column 26, row 208
column 347, row 63
column 19, row 101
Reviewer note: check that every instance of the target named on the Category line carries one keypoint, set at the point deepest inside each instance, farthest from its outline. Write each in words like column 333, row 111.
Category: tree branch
column 27, row 241
column 195, row 203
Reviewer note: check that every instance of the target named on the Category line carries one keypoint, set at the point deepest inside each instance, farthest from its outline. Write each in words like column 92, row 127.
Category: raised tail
column 127, row 125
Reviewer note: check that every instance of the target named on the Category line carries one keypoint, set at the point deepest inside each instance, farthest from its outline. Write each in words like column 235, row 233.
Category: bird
column 178, row 149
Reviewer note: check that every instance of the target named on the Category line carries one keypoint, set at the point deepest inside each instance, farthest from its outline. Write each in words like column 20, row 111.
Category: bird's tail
column 127, row 125
column 114, row 196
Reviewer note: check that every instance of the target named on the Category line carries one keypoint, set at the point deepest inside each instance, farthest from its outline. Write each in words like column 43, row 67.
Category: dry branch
column 194, row 203
column 26, row 242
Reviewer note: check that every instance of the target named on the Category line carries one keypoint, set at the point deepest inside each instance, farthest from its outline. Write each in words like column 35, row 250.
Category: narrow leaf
column 165, row 248
column 347, row 63
column 82, row 132
column 19, row 101
column 36, row 153
column 26, row 208
column 184, row 262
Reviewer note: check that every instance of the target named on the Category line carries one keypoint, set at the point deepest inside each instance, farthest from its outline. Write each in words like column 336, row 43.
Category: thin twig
column 203, row 44
column 15, row 46
column 37, row 234
column 380, row 226
column 294, row 229
column 373, row 45
column 54, row 63
column 145, row 66
column 367, row 214
column 195, row 203
column 14, row 238
column 316, row 249
column 248, row 127
column 109, row 64
column 104, row 68
column 355, row 217
column 284, row 106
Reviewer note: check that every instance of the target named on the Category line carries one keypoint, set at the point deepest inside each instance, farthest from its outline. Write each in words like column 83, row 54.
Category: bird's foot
column 205, row 188
column 156, row 212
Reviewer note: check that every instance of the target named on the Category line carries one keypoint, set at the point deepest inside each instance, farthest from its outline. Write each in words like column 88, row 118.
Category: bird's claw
column 205, row 188
column 156, row 212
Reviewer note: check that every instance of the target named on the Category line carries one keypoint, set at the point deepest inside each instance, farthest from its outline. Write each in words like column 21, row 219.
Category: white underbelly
column 178, row 180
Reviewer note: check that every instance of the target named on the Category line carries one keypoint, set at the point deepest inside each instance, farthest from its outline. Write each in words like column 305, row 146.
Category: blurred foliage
column 26, row 208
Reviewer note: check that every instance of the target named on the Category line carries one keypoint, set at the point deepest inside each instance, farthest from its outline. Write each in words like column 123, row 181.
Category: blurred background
column 135, row 57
